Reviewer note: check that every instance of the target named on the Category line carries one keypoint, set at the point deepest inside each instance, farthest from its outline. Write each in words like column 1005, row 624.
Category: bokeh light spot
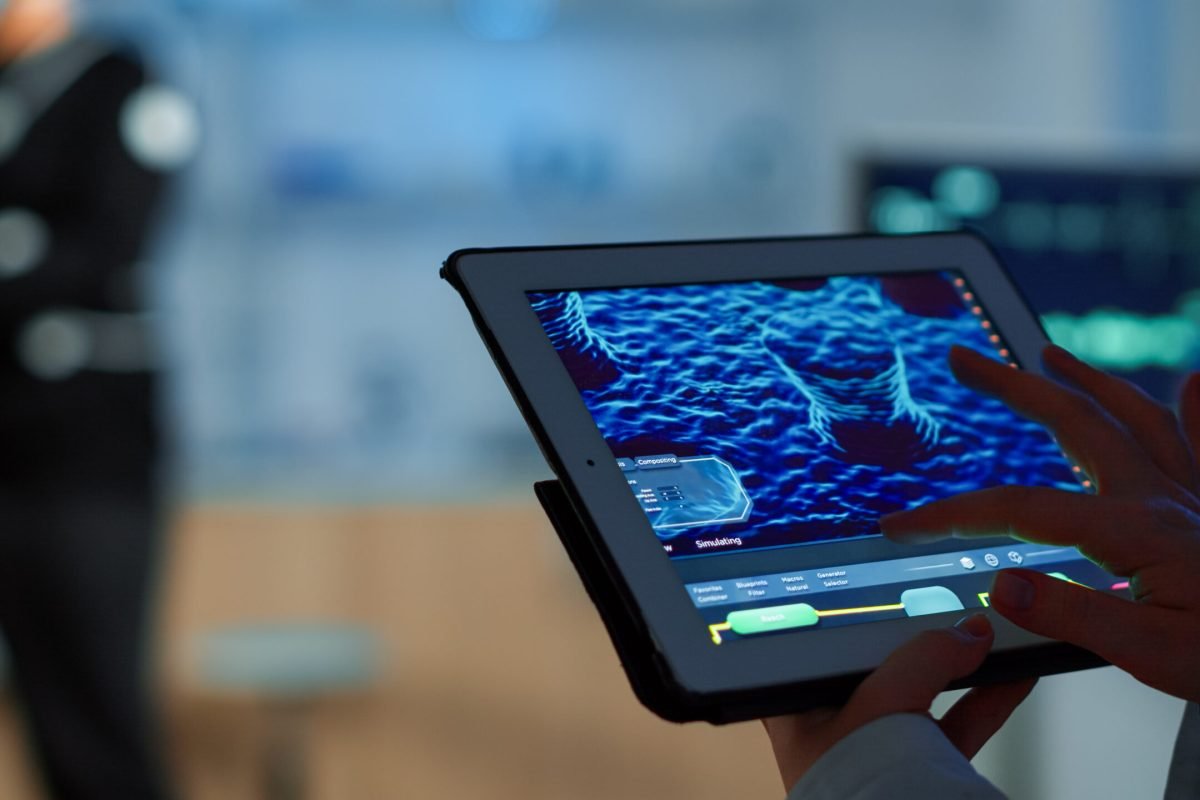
column 160, row 128
column 24, row 240
column 1123, row 340
column 1081, row 227
column 13, row 121
column 1029, row 226
column 55, row 345
column 968, row 192
column 895, row 210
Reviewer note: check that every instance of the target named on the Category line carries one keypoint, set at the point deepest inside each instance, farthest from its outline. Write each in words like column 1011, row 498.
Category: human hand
column 1143, row 523
column 907, row 682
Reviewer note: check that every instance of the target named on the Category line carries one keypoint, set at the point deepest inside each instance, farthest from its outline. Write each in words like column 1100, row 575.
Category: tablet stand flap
column 630, row 639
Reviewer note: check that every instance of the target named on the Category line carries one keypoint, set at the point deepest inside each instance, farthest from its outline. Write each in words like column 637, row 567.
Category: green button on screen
column 775, row 618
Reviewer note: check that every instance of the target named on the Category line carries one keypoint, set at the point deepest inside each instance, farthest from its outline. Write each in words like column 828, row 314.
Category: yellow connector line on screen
column 837, row 612
column 715, row 629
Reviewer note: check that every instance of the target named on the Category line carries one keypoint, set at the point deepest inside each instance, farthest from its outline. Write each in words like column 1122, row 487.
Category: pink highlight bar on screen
column 1120, row 585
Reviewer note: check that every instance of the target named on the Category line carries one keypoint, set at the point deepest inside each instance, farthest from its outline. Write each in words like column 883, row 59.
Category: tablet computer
column 728, row 420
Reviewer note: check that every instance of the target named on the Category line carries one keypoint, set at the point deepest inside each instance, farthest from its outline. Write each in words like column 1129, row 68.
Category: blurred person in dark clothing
column 86, row 142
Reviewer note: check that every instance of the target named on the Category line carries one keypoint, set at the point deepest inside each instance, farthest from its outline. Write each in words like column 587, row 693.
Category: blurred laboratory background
column 357, row 595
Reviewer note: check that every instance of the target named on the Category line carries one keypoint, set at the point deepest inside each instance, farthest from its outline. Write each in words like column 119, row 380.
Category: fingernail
column 976, row 626
column 1011, row 590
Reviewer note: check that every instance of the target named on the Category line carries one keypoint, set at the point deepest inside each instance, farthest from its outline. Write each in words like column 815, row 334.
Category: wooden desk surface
column 499, row 679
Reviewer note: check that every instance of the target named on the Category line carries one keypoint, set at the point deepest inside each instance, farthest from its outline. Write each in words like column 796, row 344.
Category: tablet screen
column 761, row 424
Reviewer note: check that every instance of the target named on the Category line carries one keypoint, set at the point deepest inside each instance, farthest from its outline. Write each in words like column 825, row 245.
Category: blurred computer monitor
column 1109, row 257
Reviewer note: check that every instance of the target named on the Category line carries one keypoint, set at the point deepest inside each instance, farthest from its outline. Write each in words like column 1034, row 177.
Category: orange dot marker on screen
column 986, row 324
column 1076, row 469
column 959, row 282
column 1003, row 353
column 977, row 311
column 995, row 339
column 1087, row 484
column 968, row 296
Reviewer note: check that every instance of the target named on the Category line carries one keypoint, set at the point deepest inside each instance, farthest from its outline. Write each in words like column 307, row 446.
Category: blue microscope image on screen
column 815, row 405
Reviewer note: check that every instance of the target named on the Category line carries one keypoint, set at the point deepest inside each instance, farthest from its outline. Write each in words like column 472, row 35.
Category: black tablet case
column 645, row 668
column 632, row 642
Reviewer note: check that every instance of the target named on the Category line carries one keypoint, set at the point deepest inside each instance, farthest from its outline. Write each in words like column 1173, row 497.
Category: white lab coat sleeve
column 896, row 757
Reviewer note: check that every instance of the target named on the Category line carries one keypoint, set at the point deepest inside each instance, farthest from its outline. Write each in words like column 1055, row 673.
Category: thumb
column 1120, row 631
column 918, row 671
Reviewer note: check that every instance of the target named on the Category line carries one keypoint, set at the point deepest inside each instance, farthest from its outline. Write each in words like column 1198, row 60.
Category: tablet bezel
column 495, row 283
